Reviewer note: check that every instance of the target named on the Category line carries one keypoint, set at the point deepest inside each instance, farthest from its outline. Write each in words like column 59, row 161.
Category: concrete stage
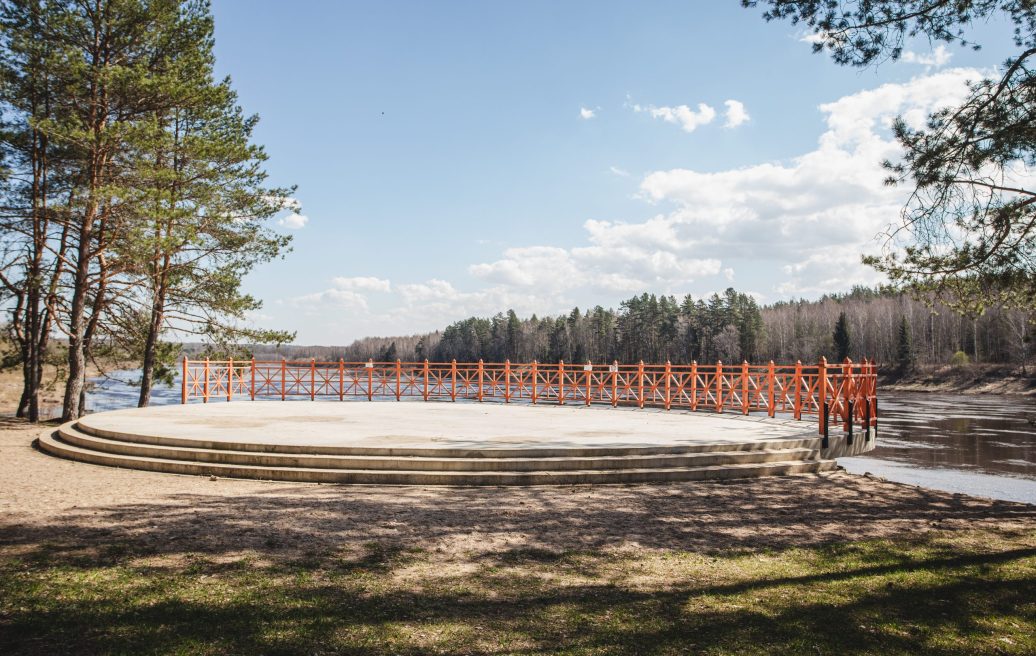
column 441, row 443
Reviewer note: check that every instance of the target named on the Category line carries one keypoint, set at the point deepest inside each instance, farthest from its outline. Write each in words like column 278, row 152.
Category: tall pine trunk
column 75, row 386
column 147, row 373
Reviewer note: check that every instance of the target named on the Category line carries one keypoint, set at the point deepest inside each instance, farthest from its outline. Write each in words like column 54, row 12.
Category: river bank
column 965, row 379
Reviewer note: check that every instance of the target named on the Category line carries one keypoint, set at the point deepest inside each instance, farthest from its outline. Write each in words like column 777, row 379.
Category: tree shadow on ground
column 336, row 613
column 283, row 521
column 285, row 568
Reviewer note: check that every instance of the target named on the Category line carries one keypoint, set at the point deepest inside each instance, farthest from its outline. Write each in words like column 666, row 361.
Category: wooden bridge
column 844, row 393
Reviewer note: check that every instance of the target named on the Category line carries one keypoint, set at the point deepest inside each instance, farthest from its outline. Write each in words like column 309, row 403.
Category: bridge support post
column 507, row 381
column 771, row 396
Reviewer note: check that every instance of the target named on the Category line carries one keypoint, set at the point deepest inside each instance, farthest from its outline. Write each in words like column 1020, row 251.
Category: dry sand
column 75, row 506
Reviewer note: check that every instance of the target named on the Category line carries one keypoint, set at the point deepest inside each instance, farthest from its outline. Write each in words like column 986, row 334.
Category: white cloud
column 682, row 115
column 621, row 257
column 736, row 114
column 335, row 297
column 292, row 204
column 814, row 38
column 935, row 59
column 294, row 221
column 824, row 207
column 622, row 173
column 344, row 292
column 586, row 113
column 788, row 228
column 363, row 283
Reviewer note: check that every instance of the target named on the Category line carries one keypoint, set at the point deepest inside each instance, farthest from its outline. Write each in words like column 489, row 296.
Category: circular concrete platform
column 439, row 443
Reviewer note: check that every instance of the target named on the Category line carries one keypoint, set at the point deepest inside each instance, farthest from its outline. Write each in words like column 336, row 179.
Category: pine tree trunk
column 76, row 385
column 147, row 373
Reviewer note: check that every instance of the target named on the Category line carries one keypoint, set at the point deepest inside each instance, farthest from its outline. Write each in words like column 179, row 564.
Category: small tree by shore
column 904, row 348
column 842, row 337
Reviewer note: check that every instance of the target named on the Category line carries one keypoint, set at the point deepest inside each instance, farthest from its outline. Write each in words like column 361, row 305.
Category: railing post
column 399, row 375
column 719, row 386
column 822, row 394
column 481, row 374
column 694, row 385
column 561, row 382
column 230, row 379
column 874, row 399
column 251, row 383
column 183, row 382
column 534, row 366
column 312, row 379
column 205, row 384
column 341, row 379
column 872, row 402
column 453, row 384
column 771, row 384
column 370, row 379
column 668, row 393
column 507, row 380
column 640, row 384
column 615, row 383
column 847, row 395
column 797, row 386
column 425, row 372
column 744, row 387
column 589, row 370
column 865, row 369
column 284, row 378
column 826, row 442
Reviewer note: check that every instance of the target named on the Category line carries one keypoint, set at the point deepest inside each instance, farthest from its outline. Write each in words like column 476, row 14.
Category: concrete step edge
column 49, row 443
column 74, row 437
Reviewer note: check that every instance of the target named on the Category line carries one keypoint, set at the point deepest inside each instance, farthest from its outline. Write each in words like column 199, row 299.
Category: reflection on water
column 985, row 434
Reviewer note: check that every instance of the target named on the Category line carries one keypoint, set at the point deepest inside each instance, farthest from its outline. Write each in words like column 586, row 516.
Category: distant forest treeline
column 889, row 326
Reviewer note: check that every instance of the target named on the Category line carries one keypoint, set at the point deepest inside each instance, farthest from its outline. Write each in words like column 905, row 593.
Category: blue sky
column 459, row 158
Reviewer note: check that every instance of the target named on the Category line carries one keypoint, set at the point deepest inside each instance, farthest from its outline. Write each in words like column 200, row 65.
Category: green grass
column 962, row 592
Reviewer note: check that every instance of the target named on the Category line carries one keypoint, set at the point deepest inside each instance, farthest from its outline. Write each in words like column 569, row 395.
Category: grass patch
column 961, row 592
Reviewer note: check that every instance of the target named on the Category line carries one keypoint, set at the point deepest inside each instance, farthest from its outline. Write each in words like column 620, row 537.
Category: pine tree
column 513, row 335
column 200, row 204
column 842, row 337
column 904, row 347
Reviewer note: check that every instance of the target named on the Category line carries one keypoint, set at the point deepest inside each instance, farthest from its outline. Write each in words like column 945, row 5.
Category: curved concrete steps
column 77, row 441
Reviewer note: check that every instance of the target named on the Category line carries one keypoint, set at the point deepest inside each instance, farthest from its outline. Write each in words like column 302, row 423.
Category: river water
column 981, row 445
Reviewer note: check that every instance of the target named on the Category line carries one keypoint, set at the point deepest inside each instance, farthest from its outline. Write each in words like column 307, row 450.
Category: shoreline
column 974, row 379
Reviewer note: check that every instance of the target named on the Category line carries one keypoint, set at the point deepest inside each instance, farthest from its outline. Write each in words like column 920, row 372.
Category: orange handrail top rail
column 844, row 392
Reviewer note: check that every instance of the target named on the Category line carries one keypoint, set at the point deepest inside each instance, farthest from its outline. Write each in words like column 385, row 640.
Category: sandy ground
column 11, row 391
column 75, row 506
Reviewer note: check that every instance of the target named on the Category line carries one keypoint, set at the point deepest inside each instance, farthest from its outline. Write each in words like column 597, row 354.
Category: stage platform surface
column 413, row 426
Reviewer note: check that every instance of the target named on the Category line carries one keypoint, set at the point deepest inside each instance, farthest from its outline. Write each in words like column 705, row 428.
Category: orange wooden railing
column 844, row 393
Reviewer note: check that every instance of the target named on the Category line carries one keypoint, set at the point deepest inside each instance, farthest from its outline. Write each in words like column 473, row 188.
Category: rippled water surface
column 987, row 434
